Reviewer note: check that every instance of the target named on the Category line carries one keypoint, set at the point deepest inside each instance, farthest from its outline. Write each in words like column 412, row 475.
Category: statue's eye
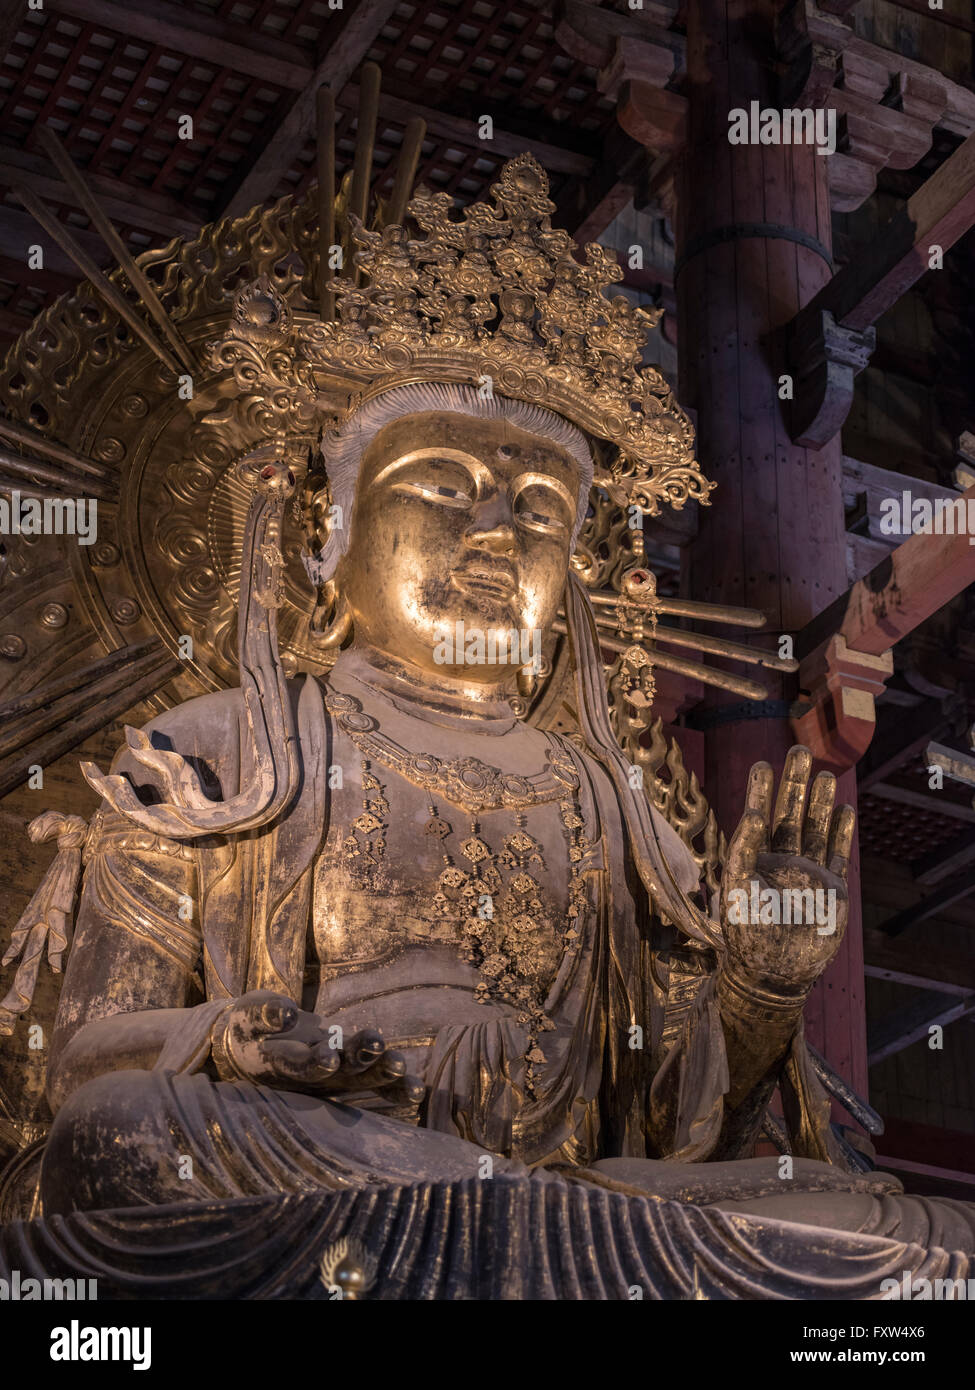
column 435, row 492
column 551, row 520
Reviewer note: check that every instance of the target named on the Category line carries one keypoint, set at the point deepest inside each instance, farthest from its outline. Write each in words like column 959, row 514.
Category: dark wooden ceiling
column 113, row 78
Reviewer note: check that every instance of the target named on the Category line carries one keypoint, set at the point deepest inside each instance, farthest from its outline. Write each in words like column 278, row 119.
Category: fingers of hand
column 278, row 1015
column 758, row 797
column 293, row 1061
column 327, row 1059
column 363, row 1051
column 408, row 1090
column 271, row 1013
column 747, row 844
column 789, row 804
column 388, row 1071
column 818, row 815
column 840, row 845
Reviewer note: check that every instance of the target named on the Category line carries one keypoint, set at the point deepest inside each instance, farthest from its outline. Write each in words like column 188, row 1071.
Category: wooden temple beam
column 931, row 802
column 896, row 960
column 908, row 1025
column 923, row 8
column 11, row 21
column 462, row 130
column 940, row 212
column 831, row 338
column 946, row 860
column 825, row 32
column 909, row 1146
column 12, row 323
column 958, row 766
column 188, row 32
column 343, row 57
column 899, row 738
column 154, row 212
column 592, row 34
column 953, row 890
column 18, row 231
column 590, row 202
column 914, row 581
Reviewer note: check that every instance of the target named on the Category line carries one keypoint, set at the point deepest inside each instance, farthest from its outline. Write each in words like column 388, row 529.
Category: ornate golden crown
column 498, row 300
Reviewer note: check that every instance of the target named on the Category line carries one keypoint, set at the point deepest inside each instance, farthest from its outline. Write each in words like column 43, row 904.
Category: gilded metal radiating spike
column 325, row 138
column 102, row 224
column 100, row 282
column 694, row 670
column 713, row 646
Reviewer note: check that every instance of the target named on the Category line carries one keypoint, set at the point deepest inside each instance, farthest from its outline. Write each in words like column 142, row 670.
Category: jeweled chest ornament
column 468, row 783
column 490, row 897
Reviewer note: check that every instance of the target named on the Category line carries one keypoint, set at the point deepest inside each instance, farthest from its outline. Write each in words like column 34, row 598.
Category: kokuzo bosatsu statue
column 377, row 928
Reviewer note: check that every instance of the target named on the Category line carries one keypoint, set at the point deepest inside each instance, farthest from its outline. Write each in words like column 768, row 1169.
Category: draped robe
column 636, row 1118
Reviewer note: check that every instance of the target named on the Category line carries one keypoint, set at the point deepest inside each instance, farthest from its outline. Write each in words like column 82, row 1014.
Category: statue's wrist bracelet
column 749, row 999
column 220, row 1049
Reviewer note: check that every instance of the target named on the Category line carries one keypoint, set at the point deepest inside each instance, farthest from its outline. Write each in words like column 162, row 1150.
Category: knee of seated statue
column 111, row 1145
column 134, row 1138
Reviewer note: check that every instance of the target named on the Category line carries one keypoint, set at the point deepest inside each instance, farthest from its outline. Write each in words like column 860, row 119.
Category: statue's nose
column 496, row 540
column 492, row 528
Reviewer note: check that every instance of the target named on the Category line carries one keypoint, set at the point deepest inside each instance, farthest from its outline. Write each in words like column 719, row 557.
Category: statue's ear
column 583, row 562
column 331, row 622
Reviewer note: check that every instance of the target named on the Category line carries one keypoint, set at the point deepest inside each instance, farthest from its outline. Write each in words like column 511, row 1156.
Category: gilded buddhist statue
column 376, row 927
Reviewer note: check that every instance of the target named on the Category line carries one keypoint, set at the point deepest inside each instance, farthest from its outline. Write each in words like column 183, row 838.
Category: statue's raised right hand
column 265, row 1037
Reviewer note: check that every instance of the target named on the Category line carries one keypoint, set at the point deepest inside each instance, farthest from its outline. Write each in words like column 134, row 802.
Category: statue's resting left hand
column 265, row 1037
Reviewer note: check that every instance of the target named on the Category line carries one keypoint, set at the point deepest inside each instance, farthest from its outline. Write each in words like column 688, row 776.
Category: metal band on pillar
column 738, row 714
column 737, row 231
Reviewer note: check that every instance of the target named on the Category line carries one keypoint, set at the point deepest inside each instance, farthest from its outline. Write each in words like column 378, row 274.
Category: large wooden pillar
column 753, row 247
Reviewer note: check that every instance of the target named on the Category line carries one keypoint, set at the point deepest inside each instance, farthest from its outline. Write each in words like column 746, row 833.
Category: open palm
column 784, row 900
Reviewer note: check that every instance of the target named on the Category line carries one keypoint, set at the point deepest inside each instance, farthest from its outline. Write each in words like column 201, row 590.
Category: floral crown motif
column 498, row 300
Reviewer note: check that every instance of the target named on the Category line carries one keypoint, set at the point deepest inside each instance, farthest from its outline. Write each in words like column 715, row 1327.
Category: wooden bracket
column 843, row 686
column 825, row 359
column 807, row 67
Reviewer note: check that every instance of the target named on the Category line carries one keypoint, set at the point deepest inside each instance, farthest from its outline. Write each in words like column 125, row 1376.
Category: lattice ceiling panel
column 893, row 830
column 472, row 59
column 901, row 833
column 115, row 97
column 297, row 21
column 504, row 52
column 444, row 164
column 116, row 103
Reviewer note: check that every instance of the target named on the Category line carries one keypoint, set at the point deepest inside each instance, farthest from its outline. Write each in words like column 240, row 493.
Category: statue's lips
column 495, row 583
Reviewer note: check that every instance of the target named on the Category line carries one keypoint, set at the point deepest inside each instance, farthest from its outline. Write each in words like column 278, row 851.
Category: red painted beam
column 924, row 1144
column 910, row 584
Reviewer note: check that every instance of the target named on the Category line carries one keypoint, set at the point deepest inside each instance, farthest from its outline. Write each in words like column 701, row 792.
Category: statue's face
column 457, row 519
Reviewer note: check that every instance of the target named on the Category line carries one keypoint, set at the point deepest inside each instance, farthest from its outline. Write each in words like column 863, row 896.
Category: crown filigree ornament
column 276, row 396
column 497, row 299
